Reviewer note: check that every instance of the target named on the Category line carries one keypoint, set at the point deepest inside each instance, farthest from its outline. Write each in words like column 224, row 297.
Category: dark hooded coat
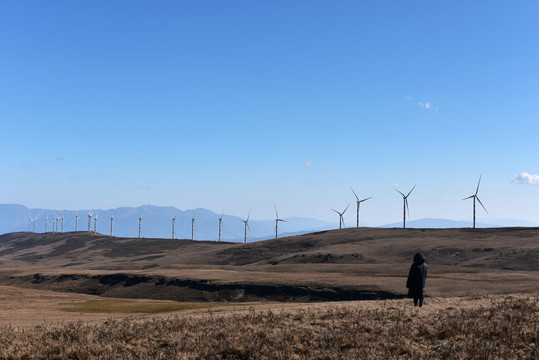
column 417, row 277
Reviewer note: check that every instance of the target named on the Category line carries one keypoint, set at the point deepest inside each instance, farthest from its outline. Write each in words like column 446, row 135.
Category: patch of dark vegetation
column 129, row 248
column 37, row 279
column 150, row 266
column 321, row 258
column 151, row 257
column 69, row 245
column 31, row 257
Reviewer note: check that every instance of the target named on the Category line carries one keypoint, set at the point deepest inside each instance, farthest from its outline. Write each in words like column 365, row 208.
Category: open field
column 488, row 327
column 62, row 295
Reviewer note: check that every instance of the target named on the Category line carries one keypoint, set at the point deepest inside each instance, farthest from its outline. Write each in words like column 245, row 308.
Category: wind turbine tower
column 62, row 224
column 173, row 226
column 54, row 223
column 111, row 223
column 46, row 222
column 95, row 223
column 220, row 225
column 77, row 222
column 193, row 227
column 246, row 222
column 35, row 221
column 474, row 197
column 90, row 222
column 358, row 202
column 406, row 208
column 277, row 222
column 341, row 220
column 29, row 224
column 139, row 226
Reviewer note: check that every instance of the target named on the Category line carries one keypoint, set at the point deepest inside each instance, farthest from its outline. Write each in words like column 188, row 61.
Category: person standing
column 416, row 280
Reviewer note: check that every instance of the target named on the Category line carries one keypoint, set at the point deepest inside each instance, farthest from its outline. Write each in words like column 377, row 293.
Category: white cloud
column 395, row 185
column 307, row 164
column 409, row 98
column 425, row 105
column 525, row 178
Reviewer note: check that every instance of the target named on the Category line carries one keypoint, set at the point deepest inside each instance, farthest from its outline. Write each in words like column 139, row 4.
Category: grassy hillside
column 348, row 264
column 499, row 248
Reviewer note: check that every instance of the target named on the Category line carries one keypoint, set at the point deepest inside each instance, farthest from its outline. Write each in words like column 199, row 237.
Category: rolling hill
column 336, row 265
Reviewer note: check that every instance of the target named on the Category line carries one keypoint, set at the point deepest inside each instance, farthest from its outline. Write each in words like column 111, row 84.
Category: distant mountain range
column 156, row 223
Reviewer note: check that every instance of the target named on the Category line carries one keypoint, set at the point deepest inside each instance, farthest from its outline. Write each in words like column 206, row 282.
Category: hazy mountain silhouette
column 156, row 222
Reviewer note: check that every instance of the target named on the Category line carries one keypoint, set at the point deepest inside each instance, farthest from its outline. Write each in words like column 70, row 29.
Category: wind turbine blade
column 481, row 204
column 365, row 199
column 276, row 214
column 411, row 191
column 346, row 208
column 248, row 215
column 469, row 197
column 354, row 193
column 399, row 192
column 479, row 182
column 336, row 211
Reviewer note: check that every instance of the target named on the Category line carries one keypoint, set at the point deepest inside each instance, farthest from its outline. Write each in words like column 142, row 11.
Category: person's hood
column 419, row 258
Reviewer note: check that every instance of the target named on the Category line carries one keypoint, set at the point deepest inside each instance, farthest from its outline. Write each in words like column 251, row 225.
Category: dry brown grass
column 121, row 306
column 488, row 328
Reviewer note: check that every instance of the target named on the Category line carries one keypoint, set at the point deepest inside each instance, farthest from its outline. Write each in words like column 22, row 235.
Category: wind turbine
column 173, row 226
column 53, row 222
column 277, row 222
column 474, row 196
column 90, row 222
column 29, row 224
column 341, row 221
column 95, row 223
column 246, row 222
column 139, row 226
column 193, row 226
column 62, row 223
column 220, row 225
column 77, row 221
column 35, row 221
column 111, row 223
column 406, row 207
column 358, row 202
column 46, row 222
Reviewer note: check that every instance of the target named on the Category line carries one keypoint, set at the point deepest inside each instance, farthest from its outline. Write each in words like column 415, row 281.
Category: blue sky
column 236, row 105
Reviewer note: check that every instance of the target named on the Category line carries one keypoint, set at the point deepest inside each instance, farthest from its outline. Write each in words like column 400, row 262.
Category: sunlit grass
column 505, row 328
column 133, row 307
